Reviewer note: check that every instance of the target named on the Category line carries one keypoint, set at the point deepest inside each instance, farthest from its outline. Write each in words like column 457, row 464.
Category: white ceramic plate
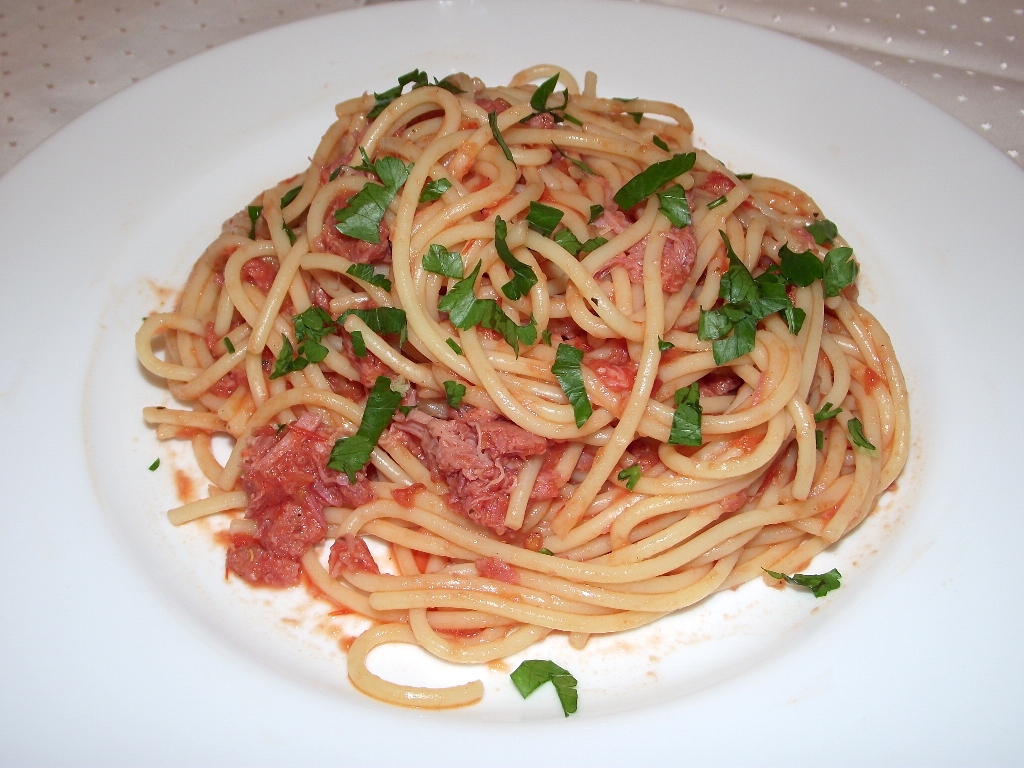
column 121, row 643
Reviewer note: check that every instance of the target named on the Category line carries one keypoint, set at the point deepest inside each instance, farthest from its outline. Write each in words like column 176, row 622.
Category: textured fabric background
column 58, row 58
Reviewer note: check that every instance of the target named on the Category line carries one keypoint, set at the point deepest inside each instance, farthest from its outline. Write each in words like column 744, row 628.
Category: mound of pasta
column 565, row 371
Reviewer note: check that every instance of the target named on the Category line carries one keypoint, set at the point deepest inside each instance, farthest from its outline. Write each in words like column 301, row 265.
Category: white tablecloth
column 58, row 58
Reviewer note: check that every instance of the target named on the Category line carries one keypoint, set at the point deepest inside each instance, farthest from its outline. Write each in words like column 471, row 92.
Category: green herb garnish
column 820, row 584
column 570, row 377
column 454, row 392
column 856, row 431
column 465, row 311
column 367, row 274
column 687, row 417
column 492, row 120
column 361, row 217
column 675, row 206
column 154, row 465
column 523, row 276
column 434, row 189
column 826, row 412
column 823, row 231
column 653, row 178
column 351, row 454
column 543, row 218
column 530, row 675
column 441, row 261
column 631, row 476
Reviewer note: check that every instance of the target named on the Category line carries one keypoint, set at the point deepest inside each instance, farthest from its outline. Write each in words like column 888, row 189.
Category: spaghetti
column 568, row 372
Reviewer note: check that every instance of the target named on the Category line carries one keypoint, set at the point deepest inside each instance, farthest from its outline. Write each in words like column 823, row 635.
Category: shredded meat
column 615, row 369
column 497, row 105
column 350, row 553
column 677, row 255
column 477, row 453
column 493, row 568
column 369, row 365
column 260, row 272
column 289, row 484
column 542, row 120
column 717, row 184
column 719, row 382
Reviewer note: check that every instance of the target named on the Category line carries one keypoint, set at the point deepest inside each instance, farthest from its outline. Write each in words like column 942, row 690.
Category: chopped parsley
column 351, row 454
column 653, row 178
column 523, row 276
column 366, row 273
column 565, row 238
column 381, row 320
column 153, row 467
column 441, row 261
column 310, row 328
column 434, row 189
column 856, row 431
column 543, row 218
column 819, row 439
column 840, row 271
column 570, row 377
column 545, row 551
column 717, row 202
column 454, row 392
column 454, row 345
column 631, row 476
column 748, row 300
column 595, row 211
column 532, row 674
column 546, row 336
column 578, row 163
column 492, row 120
column 228, row 345
column 465, row 310
column 358, row 344
column 659, row 143
column 675, row 206
column 823, row 231
column 687, row 417
column 826, row 412
column 665, row 346
column 361, row 217
column 254, row 211
column 290, row 195
column 417, row 77
column 819, row 584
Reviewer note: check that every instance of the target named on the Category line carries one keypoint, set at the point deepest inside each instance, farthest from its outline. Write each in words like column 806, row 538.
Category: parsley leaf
column 826, row 412
column 800, row 268
column 454, row 392
column 546, row 336
column 675, row 206
column 254, row 211
column 532, row 674
column 567, row 370
column 819, row 439
column 366, row 273
column 454, row 345
column 856, row 431
column 285, row 364
column 686, row 419
column 578, row 163
column 417, row 77
column 465, row 311
column 545, row 551
column 653, row 178
column 153, row 467
column 290, row 195
column 492, row 120
column 665, row 346
column 539, row 100
column 659, row 142
column 358, row 344
column 631, row 476
column 381, row 320
column 434, row 189
column 543, row 218
column 351, row 454
column 229, row 346
column 441, row 261
column 840, row 270
column 565, row 238
column 819, row 584
column 595, row 211
column 717, row 202
column 523, row 276
column 360, row 218
column 823, row 231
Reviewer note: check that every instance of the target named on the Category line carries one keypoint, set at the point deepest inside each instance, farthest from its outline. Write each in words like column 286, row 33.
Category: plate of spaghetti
column 406, row 394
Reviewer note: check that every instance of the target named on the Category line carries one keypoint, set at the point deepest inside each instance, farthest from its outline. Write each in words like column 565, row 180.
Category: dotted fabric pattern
column 59, row 58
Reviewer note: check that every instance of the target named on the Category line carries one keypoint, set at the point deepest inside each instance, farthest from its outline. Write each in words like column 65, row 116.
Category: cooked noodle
column 507, row 513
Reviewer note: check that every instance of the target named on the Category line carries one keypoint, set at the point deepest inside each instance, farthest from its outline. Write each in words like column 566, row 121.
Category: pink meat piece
column 499, row 570
column 677, row 259
column 350, row 553
column 477, row 453
column 286, row 477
